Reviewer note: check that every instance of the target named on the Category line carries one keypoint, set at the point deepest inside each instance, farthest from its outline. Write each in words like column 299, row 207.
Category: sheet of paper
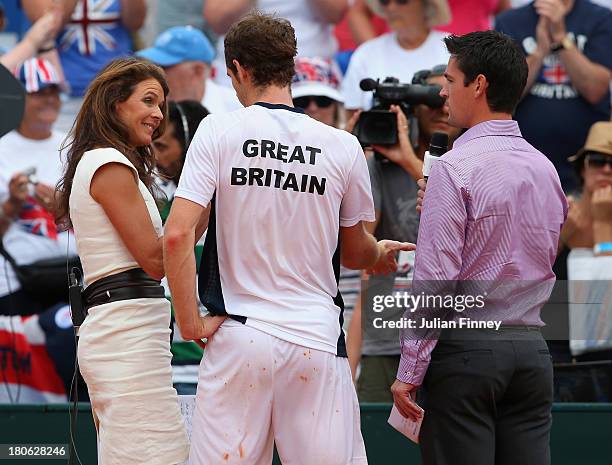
column 406, row 426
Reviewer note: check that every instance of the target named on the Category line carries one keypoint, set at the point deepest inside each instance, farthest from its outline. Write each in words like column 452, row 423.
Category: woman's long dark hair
column 97, row 125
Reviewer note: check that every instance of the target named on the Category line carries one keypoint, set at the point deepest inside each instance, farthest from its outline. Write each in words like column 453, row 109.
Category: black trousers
column 488, row 397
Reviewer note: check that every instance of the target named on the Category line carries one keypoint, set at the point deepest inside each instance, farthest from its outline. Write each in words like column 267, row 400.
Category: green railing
column 581, row 434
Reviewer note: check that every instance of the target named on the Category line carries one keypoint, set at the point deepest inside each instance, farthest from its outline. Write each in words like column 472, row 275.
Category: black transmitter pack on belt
column 77, row 309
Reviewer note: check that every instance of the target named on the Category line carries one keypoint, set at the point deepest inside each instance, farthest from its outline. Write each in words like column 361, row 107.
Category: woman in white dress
column 124, row 346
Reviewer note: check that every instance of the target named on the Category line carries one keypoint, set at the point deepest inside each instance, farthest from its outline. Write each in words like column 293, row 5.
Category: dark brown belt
column 127, row 285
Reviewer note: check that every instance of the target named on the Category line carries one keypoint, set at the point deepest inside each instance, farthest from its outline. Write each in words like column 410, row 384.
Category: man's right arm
column 359, row 250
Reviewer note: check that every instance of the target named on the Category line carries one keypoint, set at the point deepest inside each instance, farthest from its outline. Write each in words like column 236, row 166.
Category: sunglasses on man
column 598, row 160
column 319, row 100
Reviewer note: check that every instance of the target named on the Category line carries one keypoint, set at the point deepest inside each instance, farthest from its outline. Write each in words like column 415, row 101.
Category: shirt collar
column 278, row 106
column 496, row 127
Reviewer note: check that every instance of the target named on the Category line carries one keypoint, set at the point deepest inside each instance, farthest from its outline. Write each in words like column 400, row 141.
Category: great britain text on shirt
column 277, row 178
column 554, row 81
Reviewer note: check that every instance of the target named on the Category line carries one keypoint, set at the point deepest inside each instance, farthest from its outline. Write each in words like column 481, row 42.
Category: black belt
column 127, row 285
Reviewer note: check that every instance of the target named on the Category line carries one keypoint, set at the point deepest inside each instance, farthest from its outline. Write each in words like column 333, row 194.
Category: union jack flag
column 37, row 73
column 319, row 70
column 89, row 24
column 36, row 220
column 555, row 74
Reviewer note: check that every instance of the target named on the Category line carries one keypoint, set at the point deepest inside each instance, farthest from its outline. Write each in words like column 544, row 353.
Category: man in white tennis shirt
column 279, row 192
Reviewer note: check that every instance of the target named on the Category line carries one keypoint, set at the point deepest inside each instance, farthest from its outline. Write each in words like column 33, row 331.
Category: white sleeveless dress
column 124, row 347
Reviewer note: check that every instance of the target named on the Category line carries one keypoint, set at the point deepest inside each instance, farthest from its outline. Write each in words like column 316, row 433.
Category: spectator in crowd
column 185, row 54
column 94, row 33
column 316, row 89
column 41, row 32
column 171, row 146
column 589, row 220
column 30, row 166
column 313, row 21
column 567, row 44
column 467, row 16
column 394, row 190
column 411, row 46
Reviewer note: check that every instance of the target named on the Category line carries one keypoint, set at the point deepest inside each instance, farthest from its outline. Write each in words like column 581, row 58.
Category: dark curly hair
column 265, row 46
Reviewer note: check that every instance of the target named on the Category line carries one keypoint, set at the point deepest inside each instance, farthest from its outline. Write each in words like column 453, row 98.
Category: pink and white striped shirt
column 493, row 212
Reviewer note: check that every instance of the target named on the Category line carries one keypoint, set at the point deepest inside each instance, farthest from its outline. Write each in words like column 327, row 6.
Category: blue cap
column 177, row 45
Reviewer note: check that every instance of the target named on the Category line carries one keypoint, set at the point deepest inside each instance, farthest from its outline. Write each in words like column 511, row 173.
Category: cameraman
column 394, row 190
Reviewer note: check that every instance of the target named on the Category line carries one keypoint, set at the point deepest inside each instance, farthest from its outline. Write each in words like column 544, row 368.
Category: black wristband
column 556, row 47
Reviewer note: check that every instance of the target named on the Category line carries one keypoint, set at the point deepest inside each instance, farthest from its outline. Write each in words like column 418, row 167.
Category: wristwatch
column 565, row 44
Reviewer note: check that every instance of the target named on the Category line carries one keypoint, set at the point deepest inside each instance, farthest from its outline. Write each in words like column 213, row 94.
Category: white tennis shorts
column 255, row 390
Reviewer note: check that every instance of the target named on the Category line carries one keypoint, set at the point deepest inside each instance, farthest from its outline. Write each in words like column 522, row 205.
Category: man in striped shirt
column 490, row 226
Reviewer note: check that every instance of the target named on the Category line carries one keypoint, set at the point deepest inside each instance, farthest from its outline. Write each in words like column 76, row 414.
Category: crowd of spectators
column 56, row 47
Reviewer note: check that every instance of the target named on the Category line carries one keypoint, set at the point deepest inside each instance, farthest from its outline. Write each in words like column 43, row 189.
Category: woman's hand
column 577, row 230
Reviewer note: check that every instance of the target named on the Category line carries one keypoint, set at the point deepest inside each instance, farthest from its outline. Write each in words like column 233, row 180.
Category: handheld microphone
column 437, row 147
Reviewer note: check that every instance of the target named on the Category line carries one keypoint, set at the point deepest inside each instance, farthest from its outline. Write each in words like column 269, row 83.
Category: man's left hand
column 403, row 398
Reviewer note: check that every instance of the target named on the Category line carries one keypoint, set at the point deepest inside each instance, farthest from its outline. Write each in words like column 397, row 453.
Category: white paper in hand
column 406, row 426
